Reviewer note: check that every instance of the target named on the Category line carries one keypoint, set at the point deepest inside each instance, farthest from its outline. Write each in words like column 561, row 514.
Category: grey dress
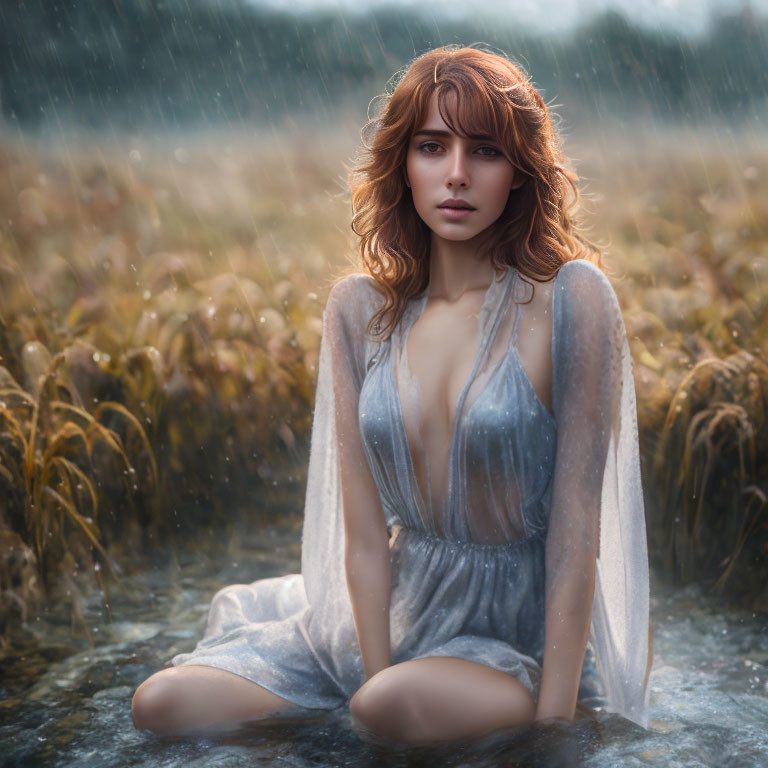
column 532, row 497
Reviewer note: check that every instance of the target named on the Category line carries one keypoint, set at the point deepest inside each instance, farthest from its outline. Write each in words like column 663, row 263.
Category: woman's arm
column 368, row 580
column 367, row 554
column 586, row 392
column 568, row 621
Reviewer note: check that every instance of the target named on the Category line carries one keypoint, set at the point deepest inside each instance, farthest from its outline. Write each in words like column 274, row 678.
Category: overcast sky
column 688, row 16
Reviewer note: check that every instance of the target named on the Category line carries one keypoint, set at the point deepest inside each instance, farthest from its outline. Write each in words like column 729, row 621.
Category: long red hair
column 536, row 233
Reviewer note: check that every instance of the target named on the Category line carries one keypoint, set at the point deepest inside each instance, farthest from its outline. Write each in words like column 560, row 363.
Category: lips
column 457, row 204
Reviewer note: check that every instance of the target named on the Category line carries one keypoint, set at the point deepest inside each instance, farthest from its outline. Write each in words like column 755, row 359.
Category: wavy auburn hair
column 536, row 233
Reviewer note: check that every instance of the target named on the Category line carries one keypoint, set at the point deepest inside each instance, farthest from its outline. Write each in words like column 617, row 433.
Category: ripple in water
column 65, row 705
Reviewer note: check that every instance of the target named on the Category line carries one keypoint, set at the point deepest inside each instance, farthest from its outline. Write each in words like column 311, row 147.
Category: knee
column 384, row 711
column 361, row 707
column 528, row 708
column 153, row 700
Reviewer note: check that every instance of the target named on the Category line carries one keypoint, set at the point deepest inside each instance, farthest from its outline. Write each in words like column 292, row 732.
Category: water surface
column 65, row 704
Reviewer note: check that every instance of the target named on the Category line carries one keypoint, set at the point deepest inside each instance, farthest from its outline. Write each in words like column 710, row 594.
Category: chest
column 442, row 346
column 440, row 352
column 453, row 404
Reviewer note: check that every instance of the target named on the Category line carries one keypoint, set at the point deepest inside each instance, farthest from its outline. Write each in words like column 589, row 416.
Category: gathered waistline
column 398, row 528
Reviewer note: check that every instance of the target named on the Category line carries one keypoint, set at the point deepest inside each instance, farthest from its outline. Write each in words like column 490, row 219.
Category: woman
column 474, row 552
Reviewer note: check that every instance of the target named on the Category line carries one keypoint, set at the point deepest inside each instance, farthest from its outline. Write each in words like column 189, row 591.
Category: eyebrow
column 448, row 134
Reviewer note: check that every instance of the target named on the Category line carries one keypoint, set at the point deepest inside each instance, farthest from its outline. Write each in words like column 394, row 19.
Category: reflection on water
column 66, row 705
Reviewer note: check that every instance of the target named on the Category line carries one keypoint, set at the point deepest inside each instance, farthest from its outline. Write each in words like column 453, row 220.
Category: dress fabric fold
column 532, row 497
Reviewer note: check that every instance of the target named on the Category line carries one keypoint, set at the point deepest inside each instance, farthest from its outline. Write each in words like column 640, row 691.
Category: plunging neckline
column 497, row 286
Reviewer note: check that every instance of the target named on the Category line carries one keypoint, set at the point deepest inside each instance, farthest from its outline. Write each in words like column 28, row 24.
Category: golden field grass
column 687, row 215
column 160, row 318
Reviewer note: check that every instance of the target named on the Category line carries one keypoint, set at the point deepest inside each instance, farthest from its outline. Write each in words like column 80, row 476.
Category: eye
column 423, row 147
column 493, row 152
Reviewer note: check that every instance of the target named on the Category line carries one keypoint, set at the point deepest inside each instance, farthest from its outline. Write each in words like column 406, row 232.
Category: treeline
column 163, row 63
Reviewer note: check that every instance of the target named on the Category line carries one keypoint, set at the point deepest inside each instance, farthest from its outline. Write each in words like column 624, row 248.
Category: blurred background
column 173, row 209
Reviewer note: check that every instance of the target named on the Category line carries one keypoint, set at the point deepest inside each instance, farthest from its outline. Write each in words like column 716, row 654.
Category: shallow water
column 64, row 704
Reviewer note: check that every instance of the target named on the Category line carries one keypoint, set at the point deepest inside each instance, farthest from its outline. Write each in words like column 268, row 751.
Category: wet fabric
column 529, row 496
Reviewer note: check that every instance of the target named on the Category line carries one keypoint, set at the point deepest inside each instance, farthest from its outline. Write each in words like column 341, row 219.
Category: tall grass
column 687, row 214
column 160, row 317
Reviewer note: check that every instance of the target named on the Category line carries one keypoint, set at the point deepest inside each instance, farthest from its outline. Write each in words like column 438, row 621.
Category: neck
column 456, row 267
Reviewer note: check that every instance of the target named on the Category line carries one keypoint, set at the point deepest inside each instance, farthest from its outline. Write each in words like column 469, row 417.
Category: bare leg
column 422, row 701
column 194, row 697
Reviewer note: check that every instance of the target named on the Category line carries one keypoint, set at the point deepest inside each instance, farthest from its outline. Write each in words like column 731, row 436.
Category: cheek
column 418, row 174
column 501, row 186
column 422, row 185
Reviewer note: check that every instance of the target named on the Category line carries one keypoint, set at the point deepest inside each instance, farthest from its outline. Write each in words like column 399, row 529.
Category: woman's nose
column 458, row 175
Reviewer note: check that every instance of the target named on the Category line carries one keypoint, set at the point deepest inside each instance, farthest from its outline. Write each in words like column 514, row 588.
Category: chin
column 458, row 234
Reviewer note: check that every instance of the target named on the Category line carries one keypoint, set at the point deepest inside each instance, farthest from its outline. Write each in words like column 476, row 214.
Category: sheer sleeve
column 596, row 549
column 344, row 352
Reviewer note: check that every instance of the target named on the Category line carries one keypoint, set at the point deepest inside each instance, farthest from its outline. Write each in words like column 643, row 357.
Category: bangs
column 476, row 113
column 470, row 105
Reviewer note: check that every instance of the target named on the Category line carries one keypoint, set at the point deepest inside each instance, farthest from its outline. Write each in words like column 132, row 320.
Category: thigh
column 195, row 697
column 438, row 698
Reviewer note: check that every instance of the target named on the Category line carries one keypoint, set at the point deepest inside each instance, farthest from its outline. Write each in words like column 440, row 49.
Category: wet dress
column 530, row 495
